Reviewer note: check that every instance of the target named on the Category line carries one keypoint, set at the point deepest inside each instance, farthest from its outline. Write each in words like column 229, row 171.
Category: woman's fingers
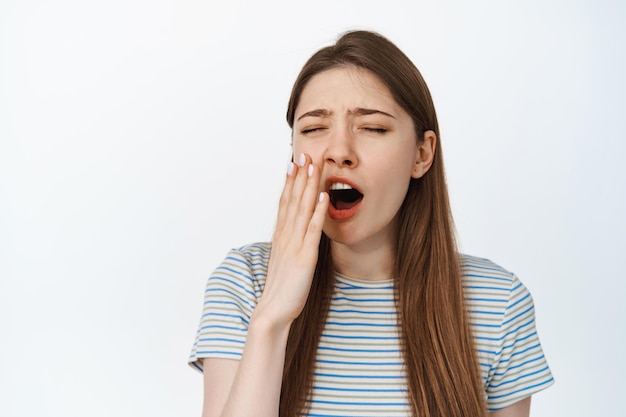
column 285, row 196
column 308, row 200
column 299, row 197
column 315, row 226
column 300, row 180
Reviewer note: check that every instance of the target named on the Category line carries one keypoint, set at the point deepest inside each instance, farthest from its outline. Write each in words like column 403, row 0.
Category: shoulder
column 242, row 270
column 475, row 269
column 254, row 253
column 249, row 261
column 488, row 284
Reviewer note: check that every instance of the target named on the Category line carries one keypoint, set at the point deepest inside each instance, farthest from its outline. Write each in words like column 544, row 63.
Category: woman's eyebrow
column 359, row 111
column 316, row 113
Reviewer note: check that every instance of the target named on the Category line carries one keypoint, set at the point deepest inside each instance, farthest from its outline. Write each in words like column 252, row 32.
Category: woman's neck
column 367, row 262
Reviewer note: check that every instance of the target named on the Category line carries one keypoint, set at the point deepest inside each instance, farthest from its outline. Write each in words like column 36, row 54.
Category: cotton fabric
column 359, row 369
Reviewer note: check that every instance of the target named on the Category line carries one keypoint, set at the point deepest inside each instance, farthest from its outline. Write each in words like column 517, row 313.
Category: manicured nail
column 290, row 168
column 310, row 170
column 321, row 196
column 302, row 159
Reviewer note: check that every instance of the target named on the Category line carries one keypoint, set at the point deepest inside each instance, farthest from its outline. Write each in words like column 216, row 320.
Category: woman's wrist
column 265, row 321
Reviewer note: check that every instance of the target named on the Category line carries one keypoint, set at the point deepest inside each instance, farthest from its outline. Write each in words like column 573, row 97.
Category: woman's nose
column 340, row 150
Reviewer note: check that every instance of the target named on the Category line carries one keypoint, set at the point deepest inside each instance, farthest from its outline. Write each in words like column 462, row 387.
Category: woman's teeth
column 340, row 186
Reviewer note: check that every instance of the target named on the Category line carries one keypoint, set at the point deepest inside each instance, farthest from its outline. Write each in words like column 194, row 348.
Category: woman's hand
column 253, row 384
column 301, row 213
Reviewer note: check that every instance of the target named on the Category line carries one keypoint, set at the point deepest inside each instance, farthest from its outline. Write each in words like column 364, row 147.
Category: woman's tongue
column 345, row 199
column 344, row 205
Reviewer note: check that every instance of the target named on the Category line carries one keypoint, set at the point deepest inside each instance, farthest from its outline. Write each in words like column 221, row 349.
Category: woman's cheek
column 313, row 151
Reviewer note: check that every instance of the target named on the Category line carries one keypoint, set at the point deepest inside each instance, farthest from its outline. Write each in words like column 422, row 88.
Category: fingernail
column 310, row 170
column 290, row 168
column 322, row 196
column 302, row 159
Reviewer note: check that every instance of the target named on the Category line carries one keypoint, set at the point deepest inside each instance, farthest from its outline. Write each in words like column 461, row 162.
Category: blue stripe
column 234, row 316
column 359, row 363
column 264, row 256
column 547, row 381
column 321, row 388
column 336, row 336
column 221, row 339
column 480, row 287
column 538, row 358
column 336, row 323
column 247, row 265
column 487, row 268
column 321, row 415
column 222, row 302
column 491, row 339
column 493, row 313
column 518, row 301
column 348, row 286
column 359, row 376
column 359, row 350
column 518, row 340
column 230, row 280
column 265, row 248
column 243, row 300
column 239, row 260
column 215, row 326
column 521, row 352
column 342, row 415
column 490, row 300
column 518, row 328
column 489, row 277
column 494, row 326
column 334, row 415
column 542, row 370
column 218, row 352
column 356, row 403
column 497, row 339
column 387, row 313
column 369, row 300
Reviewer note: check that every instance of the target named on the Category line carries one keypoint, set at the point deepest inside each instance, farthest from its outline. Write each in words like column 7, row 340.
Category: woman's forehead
column 345, row 89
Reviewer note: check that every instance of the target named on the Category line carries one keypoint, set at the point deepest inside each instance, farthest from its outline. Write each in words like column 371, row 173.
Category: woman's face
column 366, row 146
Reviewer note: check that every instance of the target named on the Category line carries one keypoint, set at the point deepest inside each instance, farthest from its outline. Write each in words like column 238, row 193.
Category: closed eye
column 378, row 130
column 311, row 130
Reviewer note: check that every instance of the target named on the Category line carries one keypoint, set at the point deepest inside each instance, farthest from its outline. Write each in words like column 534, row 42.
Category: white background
column 140, row 140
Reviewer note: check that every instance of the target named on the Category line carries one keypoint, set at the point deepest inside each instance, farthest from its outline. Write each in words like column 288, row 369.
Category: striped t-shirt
column 359, row 369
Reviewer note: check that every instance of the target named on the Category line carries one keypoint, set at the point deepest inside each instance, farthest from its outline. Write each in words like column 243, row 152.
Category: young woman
column 361, row 305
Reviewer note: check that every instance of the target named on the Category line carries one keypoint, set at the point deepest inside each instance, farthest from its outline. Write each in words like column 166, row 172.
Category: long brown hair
column 441, row 363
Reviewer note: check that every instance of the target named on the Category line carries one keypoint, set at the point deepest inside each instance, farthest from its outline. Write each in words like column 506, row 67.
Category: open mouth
column 343, row 196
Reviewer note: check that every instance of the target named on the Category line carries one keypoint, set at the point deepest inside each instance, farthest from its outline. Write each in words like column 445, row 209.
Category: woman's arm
column 218, row 375
column 251, row 386
column 519, row 409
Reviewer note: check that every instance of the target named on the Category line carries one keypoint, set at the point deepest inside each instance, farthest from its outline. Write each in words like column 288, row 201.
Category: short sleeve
column 519, row 368
column 231, row 294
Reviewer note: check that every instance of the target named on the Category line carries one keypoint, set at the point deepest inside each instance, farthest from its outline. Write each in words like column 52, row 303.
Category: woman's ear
column 425, row 154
